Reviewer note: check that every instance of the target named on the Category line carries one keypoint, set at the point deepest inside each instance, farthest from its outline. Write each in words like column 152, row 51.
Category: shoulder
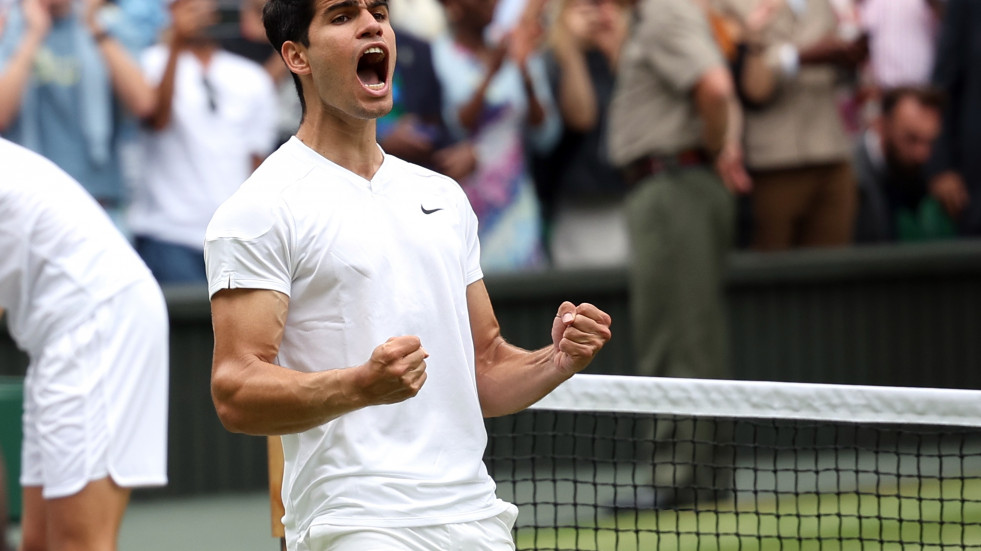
column 261, row 202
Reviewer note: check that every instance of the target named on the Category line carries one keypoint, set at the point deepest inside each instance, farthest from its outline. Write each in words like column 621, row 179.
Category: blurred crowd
column 853, row 119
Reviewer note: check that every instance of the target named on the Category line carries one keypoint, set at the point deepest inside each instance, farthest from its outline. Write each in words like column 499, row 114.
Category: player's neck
column 350, row 144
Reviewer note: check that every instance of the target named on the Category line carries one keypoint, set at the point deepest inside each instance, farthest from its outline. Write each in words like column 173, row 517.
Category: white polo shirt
column 363, row 261
column 223, row 114
column 61, row 254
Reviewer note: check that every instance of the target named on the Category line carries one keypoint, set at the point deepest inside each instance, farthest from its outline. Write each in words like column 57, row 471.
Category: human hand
column 456, row 161
column 191, row 18
column 578, row 333
column 37, row 17
column 394, row 373
column 732, row 170
column 760, row 16
column 407, row 141
column 524, row 40
column 948, row 188
column 91, row 14
column 575, row 25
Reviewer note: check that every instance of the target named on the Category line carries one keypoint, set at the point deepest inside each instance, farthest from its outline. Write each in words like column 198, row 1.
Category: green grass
column 934, row 520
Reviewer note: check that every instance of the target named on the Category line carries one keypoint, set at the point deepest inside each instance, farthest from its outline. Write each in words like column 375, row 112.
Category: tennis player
column 351, row 317
column 93, row 321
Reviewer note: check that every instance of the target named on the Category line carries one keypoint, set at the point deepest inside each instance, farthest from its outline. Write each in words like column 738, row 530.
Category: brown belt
column 652, row 165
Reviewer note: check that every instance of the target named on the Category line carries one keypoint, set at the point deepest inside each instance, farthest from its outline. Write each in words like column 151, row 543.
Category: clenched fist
column 395, row 372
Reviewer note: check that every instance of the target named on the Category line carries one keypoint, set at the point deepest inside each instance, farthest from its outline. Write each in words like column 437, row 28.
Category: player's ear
column 295, row 56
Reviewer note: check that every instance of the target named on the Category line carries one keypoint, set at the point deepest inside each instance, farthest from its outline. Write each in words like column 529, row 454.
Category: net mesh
column 773, row 473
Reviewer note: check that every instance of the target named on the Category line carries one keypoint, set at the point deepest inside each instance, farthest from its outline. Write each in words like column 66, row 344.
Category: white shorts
column 95, row 400
column 490, row 534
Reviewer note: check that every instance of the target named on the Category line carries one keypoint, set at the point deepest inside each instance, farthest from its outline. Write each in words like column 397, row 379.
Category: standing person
column 797, row 149
column 92, row 320
column 582, row 192
column 497, row 97
column 669, row 118
column 955, row 169
column 68, row 77
column 351, row 316
column 213, row 122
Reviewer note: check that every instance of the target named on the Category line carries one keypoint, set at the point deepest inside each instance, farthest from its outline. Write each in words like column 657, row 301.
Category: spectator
column 796, row 146
column 582, row 192
column 902, row 41
column 955, row 168
column 670, row 115
column 497, row 97
column 213, row 123
column 889, row 162
column 67, row 77
column 414, row 130
column 251, row 43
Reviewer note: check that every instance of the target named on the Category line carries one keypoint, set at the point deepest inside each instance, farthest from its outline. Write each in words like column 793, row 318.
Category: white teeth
column 378, row 86
column 373, row 50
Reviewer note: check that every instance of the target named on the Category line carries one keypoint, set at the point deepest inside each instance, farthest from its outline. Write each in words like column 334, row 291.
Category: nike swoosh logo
column 429, row 211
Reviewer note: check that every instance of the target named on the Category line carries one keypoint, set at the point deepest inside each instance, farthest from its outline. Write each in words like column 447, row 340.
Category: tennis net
column 639, row 463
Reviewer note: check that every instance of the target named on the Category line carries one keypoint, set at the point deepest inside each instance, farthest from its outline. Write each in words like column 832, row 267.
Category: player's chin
column 377, row 108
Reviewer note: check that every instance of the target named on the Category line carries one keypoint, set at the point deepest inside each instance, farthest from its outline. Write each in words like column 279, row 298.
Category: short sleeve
column 471, row 242
column 682, row 45
column 248, row 246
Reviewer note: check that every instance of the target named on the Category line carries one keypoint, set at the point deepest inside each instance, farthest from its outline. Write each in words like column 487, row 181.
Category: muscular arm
column 509, row 378
column 252, row 395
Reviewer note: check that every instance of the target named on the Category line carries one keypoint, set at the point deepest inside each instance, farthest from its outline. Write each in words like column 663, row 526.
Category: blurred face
column 908, row 134
column 473, row 14
column 350, row 59
column 589, row 20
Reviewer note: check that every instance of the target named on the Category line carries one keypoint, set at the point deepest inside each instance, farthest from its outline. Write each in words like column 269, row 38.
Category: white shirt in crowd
column 223, row 114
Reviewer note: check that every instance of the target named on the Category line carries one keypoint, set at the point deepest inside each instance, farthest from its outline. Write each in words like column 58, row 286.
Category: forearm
column 757, row 79
column 259, row 398
column 714, row 112
column 577, row 98
column 159, row 117
column 469, row 113
column 536, row 113
column 127, row 79
column 14, row 78
column 510, row 378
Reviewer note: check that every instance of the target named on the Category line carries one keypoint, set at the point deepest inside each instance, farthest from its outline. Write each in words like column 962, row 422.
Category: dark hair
column 927, row 96
column 289, row 20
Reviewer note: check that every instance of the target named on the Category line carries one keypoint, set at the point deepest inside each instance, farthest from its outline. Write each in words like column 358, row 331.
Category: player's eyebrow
column 344, row 4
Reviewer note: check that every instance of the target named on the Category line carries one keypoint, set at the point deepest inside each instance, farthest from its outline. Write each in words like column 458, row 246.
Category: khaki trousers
column 810, row 206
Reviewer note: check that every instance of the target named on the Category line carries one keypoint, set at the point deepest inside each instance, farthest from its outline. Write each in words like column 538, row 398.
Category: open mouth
column 373, row 68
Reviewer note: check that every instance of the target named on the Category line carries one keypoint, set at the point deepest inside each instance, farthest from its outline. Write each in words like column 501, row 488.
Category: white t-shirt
column 362, row 261
column 222, row 115
column 62, row 256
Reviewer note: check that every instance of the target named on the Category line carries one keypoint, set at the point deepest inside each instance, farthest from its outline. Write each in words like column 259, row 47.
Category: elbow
column 715, row 87
column 223, row 394
column 143, row 107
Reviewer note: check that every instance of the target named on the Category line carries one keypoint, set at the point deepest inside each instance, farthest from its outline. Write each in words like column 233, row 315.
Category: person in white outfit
column 93, row 322
column 351, row 317
column 214, row 121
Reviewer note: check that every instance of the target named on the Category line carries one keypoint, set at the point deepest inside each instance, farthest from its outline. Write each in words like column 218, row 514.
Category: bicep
column 248, row 323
